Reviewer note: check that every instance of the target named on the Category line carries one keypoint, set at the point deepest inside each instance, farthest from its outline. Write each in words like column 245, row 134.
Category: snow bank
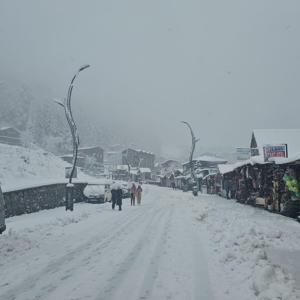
column 24, row 167
column 243, row 238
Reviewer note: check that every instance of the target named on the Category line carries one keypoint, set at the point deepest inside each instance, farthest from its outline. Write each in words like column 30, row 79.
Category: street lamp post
column 194, row 141
column 75, row 138
column 128, row 165
column 139, row 168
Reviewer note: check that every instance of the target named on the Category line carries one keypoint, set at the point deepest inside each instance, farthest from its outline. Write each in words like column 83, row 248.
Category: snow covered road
column 173, row 246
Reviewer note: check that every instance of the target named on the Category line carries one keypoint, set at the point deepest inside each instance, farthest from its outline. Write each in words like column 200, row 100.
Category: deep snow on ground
column 25, row 167
column 173, row 246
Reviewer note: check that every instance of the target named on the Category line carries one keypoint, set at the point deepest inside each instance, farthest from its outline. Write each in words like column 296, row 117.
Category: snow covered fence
column 33, row 199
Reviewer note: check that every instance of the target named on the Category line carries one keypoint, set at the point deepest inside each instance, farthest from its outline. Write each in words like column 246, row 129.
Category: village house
column 138, row 158
column 89, row 159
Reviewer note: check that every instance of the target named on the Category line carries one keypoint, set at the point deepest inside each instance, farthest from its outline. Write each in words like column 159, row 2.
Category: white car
column 97, row 193
column 2, row 213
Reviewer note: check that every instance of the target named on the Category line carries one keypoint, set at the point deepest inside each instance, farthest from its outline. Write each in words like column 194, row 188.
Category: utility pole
column 128, row 165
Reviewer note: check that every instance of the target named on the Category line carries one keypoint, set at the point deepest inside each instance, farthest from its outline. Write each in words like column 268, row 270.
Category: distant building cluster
column 138, row 158
column 267, row 173
column 89, row 160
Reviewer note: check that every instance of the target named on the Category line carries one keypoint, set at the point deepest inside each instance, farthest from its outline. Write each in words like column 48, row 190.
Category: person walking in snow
column 119, row 197
column 114, row 195
column 139, row 194
column 132, row 193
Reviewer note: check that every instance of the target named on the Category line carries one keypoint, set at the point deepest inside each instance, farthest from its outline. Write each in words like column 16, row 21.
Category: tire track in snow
column 121, row 273
column 57, row 265
column 151, row 273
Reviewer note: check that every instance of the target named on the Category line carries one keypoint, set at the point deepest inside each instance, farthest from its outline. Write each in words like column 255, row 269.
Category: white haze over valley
column 225, row 66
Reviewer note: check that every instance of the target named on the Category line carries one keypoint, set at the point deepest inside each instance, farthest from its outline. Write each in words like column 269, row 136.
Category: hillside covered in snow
column 24, row 167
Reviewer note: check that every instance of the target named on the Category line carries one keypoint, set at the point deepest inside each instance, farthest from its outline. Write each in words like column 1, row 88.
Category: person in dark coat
column 227, row 186
column 119, row 197
column 114, row 195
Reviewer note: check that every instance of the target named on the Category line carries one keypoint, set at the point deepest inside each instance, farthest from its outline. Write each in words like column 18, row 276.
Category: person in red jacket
column 139, row 194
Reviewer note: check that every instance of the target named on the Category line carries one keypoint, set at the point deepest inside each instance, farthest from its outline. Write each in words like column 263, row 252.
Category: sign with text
column 279, row 150
column 243, row 153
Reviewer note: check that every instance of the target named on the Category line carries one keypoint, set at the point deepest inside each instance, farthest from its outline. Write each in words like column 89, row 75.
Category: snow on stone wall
column 39, row 198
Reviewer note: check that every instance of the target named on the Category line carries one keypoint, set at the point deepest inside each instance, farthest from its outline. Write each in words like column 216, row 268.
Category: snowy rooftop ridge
column 208, row 158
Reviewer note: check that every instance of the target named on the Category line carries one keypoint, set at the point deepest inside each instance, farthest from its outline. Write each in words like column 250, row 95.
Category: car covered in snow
column 97, row 193
column 2, row 213
column 125, row 190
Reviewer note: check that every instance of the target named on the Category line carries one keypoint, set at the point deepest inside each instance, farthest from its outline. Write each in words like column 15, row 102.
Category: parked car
column 97, row 193
column 125, row 190
column 2, row 213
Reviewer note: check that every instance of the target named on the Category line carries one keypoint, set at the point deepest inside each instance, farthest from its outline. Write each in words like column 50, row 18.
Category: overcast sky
column 225, row 66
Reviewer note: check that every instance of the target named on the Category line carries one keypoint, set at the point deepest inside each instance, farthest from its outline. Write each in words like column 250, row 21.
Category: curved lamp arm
column 194, row 141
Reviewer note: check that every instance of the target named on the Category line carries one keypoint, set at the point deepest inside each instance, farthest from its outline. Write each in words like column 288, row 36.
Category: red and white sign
column 275, row 151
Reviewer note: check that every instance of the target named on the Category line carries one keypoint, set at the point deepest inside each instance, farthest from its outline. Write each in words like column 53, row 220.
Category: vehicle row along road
column 172, row 246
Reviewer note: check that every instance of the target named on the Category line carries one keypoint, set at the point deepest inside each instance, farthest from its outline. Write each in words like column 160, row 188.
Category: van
column 2, row 213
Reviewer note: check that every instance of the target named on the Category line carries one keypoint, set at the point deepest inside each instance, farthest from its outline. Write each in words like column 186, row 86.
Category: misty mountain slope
column 42, row 122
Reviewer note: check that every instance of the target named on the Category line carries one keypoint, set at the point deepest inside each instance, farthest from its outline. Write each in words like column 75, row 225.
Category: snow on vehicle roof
column 94, row 190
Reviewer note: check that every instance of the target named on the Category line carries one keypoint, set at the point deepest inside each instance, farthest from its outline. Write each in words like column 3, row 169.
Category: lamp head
column 59, row 102
column 83, row 68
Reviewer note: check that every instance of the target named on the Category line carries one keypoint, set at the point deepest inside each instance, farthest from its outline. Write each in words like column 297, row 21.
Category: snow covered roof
column 134, row 172
column 263, row 137
column 208, row 175
column 9, row 128
column 170, row 161
column 285, row 160
column 122, row 167
column 138, row 150
column 89, row 148
column 255, row 160
column 208, row 158
column 145, row 170
column 70, row 155
column 227, row 168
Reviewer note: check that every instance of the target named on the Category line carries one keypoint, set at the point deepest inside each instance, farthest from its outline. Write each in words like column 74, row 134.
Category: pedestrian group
column 117, row 194
column 136, row 192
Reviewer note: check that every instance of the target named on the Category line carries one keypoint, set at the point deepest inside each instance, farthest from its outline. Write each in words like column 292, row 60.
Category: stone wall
column 43, row 197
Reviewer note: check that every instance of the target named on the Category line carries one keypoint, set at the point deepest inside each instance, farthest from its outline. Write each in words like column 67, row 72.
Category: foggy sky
column 227, row 67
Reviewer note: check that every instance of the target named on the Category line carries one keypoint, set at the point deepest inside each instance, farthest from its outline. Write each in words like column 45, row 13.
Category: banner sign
column 243, row 153
column 280, row 150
